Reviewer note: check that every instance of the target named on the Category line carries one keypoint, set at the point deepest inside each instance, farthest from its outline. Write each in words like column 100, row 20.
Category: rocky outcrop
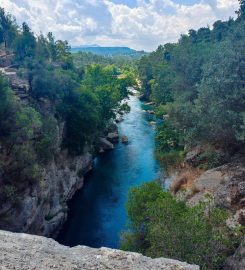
column 42, row 208
column 192, row 157
column 113, row 137
column 105, row 145
column 125, row 139
column 225, row 187
column 237, row 261
column 6, row 58
column 226, row 184
column 19, row 85
column 23, row 252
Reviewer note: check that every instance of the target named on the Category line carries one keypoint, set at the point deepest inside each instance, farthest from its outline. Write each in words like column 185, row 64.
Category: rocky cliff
column 23, row 252
column 42, row 208
column 224, row 187
column 237, row 261
column 39, row 206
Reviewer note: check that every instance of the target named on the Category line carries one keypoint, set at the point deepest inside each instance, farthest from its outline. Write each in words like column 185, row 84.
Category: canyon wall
column 42, row 207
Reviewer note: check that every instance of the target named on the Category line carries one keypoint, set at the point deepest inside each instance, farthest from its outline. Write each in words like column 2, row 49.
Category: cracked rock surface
column 24, row 252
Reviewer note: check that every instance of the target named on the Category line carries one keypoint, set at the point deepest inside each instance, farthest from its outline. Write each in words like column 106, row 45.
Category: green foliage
column 200, row 83
column 8, row 29
column 160, row 226
column 93, row 104
column 170, row 150
column 85, row 59
column 27, row 123
column 47, row 144
column 10, row 193
column 53, row 84
column 171, row 161
column 161, row 110
column 212, row 158
column 7, row 107
column 25, row 44
column 85, row 97
column 82, row 117
column 168, row 138
column 19, row 127
column 241, row 11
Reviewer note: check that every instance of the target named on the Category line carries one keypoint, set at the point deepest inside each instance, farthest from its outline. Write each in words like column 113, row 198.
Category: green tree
column 8, row 29
column 241, row 11
column 82, row 119
column 25, row 44
column 160, row 226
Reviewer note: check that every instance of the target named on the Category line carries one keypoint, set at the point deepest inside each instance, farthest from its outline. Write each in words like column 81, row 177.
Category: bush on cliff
column 160, row 226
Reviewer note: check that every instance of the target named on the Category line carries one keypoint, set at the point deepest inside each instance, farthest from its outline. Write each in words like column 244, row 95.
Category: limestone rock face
column 237, row 261
column 24, row 252
column 225, row 184
column 19, row 85
column 42, row 209
column 193, row 155
column 6, row 58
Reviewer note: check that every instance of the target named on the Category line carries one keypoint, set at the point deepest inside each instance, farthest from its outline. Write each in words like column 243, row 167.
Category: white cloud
column 145, row 26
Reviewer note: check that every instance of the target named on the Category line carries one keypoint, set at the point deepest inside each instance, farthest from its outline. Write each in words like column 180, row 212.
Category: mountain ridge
column 108, row 51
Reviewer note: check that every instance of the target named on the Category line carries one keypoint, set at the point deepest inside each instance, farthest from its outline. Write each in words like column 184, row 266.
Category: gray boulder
column 105, row 145
column 113, row 137
column 125, row 139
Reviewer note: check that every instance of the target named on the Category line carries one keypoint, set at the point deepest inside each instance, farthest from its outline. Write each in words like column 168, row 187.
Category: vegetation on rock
column 198, row 87
column 198, row 83
column 62, row 90
column 161, row 226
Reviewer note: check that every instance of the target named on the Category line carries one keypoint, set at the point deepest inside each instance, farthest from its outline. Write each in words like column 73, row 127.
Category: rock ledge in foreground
column 24, row 252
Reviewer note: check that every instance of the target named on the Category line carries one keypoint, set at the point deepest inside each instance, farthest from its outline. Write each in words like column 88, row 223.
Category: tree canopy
column 83, row 95
column 199, row 81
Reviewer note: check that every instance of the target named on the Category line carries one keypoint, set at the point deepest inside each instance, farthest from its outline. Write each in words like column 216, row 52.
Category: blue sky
column 139, row 24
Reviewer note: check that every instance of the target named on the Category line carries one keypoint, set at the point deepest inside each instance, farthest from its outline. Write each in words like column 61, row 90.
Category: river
column 97, row 212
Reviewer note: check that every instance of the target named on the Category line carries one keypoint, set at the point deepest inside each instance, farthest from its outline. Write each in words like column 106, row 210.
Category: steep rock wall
column 42, row 207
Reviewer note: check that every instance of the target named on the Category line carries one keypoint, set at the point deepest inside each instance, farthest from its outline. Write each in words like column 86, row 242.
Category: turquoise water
column 97, row 212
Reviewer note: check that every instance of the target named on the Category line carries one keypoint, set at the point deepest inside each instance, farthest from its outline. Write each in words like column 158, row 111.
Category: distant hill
column 109, row 51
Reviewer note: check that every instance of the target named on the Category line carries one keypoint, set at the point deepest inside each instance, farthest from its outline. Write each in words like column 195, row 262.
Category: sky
column 139, row 24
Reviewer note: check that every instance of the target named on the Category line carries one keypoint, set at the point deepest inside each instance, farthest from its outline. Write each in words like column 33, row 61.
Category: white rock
column 24, row 252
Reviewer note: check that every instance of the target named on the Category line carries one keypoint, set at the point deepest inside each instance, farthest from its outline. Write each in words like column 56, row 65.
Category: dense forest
column 77, row 91
column 198, row 86
column 122, row 62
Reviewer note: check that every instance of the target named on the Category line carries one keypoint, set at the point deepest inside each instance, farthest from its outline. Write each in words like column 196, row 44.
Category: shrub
column 212, row 158
column 10, row 193
column 160, row 226
column 171, row 160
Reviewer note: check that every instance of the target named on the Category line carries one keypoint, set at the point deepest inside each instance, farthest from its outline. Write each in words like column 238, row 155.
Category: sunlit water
column 97, row 212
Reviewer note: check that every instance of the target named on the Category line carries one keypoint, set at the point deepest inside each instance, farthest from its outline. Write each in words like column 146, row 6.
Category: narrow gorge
column 97, row 213
column 117, row 157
